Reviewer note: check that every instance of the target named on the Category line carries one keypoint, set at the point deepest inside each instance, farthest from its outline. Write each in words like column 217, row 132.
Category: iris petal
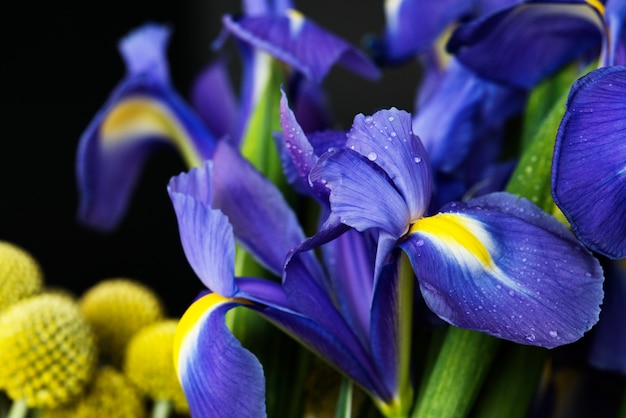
column 524, row 44
column 142, row 113
column 207, row 239
column 589, row 165
column 387, row 139
column 219, row 376
column 500, row 265
column 300, row 43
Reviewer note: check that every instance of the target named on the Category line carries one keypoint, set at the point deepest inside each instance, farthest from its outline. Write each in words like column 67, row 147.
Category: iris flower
column 144, row 111
column 495, row 264
column 589, row 165
column 356, row 329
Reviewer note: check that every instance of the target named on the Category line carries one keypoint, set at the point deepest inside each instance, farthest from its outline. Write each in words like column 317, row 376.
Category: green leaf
column 344, row 403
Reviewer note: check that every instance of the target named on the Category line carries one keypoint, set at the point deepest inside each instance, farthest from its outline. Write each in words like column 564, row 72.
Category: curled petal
column 144, row 49
column 523, row 44
column 220, row 378
column 500, row 265
column 589, row 165
column 300, row 43
column 386, row 138
column 207, row 239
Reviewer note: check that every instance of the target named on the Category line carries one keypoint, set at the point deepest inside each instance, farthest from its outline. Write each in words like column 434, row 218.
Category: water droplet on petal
column 391, row 118
column 554, row 334
column 417, row 160
column 372, row 156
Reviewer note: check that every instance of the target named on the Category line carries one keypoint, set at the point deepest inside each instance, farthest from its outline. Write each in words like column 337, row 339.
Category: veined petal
column 144, row 49
column 589, row 165
column 300, row 43
column 387, row 139
column 500, row 265
column 524, row 44
column 142, row 113
column 220, row 378
column 354, row 182
column 207, row 239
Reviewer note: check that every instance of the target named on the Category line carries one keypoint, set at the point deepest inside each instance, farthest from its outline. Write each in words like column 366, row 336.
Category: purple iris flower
column 589, row 164
column 144, row 111
column 496, row 264
column 342, row 317
column 523, row 44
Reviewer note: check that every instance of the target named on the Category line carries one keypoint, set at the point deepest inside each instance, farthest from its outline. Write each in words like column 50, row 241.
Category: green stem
column 19, row 409
column 162, row 408
column 457, row 375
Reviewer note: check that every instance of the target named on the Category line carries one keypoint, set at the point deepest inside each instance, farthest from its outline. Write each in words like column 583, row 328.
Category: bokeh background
column 60, row 63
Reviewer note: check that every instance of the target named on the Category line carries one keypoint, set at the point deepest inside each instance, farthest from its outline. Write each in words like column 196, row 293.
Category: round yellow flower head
column 20, row 274
column 110, row 394
column 117, row 308
column 149, row 364
column 47, row 350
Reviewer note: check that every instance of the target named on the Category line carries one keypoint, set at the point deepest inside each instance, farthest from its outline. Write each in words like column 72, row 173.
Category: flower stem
column 162, row 408
column 19, row 409
column 458, row 374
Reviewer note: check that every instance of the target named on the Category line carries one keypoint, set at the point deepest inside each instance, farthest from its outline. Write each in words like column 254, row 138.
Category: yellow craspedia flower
column 149, row 364
column 20, row 274
column 117, row 308
column 110, row 394
column 47, row 350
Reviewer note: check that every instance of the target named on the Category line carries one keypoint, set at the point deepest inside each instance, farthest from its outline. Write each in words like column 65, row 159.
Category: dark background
column 59, row 64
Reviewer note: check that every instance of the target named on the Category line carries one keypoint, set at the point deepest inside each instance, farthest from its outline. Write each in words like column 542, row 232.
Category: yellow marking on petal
column 296, row 20
column 142, row 116
column 200, row 308
column 596, row 4
column 454, row 230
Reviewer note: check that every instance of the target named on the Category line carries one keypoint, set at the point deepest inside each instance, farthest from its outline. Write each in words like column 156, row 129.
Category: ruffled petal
column 142, row 113
column 387, row 139
column 300, row 43
column 500, row 265
column 220, row 378
column 589, row 165
column 354, row 182
column 143, row 51
column 524, row 44
column 207, row 239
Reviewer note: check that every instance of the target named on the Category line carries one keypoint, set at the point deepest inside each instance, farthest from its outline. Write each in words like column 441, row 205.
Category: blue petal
column 355, row 182
column 142, row 113
column 500, row 265
column 215, row 101
column 387, row 139
column 589, row 166
column 220, row 378
column 300, row 43
column 207, row 239
column 524, row 44
column 262, row 220
column 143, row 51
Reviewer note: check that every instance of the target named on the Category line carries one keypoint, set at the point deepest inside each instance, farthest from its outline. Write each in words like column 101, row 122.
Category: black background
column 59, row 64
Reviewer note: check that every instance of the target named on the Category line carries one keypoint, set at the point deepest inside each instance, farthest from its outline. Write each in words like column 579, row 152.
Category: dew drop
column 393, row 134
column 554, row 334
column 368, row 120
column 372, row 156
column 390, row 118
column 417, row 160
column 530, row 337
column 419, row 242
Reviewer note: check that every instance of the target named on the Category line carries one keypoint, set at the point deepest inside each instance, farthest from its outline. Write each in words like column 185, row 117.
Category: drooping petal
column 500, row 265
column 207, row 239
column 219, row 376
column 589, row 165
column 524, row 44
column 387, row 139
column 142, row 113
column 354, row 182
column 300, row 43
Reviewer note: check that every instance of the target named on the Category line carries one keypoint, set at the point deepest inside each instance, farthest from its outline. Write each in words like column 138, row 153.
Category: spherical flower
column 47, row 350
column 117, row 308
column 20, row 274
column 149, row 364
column 110, row 394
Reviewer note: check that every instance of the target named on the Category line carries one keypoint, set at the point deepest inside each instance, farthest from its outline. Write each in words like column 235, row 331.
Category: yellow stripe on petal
column 596, row 4
column 199, row 309
column 456, row 231
column 139, row 117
